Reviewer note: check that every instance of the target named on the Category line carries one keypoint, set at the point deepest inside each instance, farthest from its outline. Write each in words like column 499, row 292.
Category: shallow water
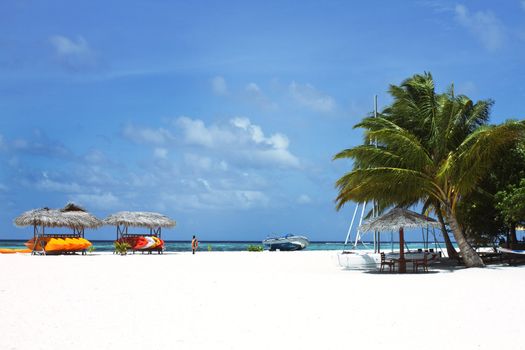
column 182, row 246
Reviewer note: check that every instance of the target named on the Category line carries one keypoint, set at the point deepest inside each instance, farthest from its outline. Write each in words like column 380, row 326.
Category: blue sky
column 224, row 115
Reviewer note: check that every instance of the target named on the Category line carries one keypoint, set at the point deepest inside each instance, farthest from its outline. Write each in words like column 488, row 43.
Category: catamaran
column 396, row 219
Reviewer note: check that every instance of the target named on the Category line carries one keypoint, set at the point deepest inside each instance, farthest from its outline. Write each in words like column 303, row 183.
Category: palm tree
column 429, row 147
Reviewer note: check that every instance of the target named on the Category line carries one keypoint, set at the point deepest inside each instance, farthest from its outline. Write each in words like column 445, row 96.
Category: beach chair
column 390, row 263
column 421, row 262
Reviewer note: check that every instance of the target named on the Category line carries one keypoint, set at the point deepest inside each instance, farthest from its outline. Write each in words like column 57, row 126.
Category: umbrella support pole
column 402, row 261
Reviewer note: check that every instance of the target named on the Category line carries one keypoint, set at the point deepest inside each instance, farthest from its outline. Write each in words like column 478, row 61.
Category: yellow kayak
column 13, row 250
column 59, row 244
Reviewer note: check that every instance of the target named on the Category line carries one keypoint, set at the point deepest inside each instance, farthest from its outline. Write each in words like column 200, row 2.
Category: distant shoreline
column 230, row 241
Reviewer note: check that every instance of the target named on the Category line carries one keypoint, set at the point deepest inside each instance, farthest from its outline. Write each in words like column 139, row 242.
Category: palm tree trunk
column 451, row 251
column 469, row 255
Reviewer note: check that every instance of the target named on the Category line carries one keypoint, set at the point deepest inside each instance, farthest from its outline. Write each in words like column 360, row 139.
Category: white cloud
column 160, row 153
column 258, row 97
column 73, row 54
column 143, row 179
column 102, row 201
column 65, row 46
column 239, row 139
column 80, row 177
column 96, row 175
column 436, row 6
column 254, row 88
column 484, row 25
column 278, row 157
column 218, row 86
column 277, row 141
column 270, row 150
column 97, row 163
column 227, row 191
column 304, row 199
column 197, row 133
column 48, row 184
column 39, row 144
column 150, row 136
column 198, row 162
column 96, row 157
column 217, row 200
column 308, row 96
column 523, row 4
column 216, row 166
column 204, row 163
column 243, row 123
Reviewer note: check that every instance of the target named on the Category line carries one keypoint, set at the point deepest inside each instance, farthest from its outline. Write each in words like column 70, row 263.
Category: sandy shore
column 242, row 300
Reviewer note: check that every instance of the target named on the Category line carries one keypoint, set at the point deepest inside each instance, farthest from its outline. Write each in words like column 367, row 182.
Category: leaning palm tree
column 441, row 122
column 428, row 148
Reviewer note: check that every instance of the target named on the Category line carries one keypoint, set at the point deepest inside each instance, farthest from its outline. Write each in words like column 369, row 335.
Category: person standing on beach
column 194, row 245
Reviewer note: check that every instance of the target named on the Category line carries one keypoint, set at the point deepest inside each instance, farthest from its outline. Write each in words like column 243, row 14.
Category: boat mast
column 375, row 205
column 375, row 211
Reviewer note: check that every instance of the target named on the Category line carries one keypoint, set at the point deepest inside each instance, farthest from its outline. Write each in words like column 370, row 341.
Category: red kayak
column 141, row 243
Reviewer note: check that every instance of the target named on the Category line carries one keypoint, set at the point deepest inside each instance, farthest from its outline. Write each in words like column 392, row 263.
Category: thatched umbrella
column 398, row 219
column 71, row 216
column 153, row 221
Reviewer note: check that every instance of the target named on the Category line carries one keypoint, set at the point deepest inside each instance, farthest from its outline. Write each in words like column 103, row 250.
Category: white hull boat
column 287, row 243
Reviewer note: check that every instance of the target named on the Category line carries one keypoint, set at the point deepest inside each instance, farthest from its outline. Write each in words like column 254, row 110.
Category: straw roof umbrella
column 139, row 219
column 71, row 216
column 398, row 219
column 153, row 221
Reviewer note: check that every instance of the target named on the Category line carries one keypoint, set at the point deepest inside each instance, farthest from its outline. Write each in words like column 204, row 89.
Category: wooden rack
column 122, row 233
column 39, row 234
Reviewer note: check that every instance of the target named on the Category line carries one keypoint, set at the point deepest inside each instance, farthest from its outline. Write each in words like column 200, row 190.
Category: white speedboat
column 286, row 243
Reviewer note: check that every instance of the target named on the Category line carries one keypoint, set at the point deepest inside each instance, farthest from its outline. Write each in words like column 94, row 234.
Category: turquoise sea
column 225, row 246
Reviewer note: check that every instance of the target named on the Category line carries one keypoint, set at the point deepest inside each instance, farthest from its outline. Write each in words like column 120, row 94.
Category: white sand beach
column 243, row 300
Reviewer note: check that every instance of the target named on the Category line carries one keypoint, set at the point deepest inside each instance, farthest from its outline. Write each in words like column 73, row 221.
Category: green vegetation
column 255, row 248
column 492, row 211
column 511, row 206
column 427, row 148
column 121, row 248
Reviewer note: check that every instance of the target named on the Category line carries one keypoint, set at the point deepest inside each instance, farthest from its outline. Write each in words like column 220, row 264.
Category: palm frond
column 391, row 185
column 397, row 141
column 370, row 156
column 427, row 205
column 478, row 152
